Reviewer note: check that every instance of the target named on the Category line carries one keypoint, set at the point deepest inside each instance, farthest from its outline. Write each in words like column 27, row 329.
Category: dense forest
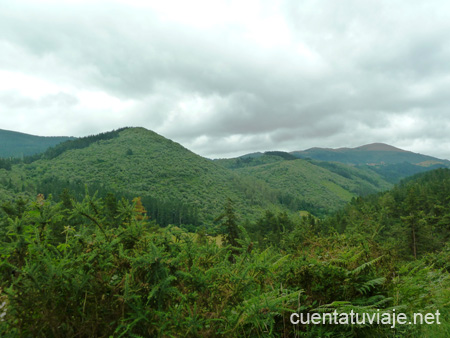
column 83, row 258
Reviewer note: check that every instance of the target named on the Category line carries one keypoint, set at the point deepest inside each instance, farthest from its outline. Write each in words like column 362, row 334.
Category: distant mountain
column 390, row 162
column 379, row 147
column 15, row 144
column 370, row 154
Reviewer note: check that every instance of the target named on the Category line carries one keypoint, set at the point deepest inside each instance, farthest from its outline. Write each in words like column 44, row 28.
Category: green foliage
column 163, row 211
column 271, row 229
column 129, row 278
column 304, row 185
column 80, row 143
column 413, row 219
column 18, row 145
column 98, row 268
column 5, row 164
column 395, row 172
column 158, row 170
column 424, row 289
column 229, row 224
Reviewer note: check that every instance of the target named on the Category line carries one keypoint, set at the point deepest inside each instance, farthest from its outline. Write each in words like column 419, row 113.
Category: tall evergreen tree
column 229, row 222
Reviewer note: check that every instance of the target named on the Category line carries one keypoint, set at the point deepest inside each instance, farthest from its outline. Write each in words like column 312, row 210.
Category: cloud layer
column 226, row 78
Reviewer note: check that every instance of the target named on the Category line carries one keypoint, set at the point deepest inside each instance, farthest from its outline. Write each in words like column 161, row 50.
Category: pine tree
column 229, row 222
column 141, row 213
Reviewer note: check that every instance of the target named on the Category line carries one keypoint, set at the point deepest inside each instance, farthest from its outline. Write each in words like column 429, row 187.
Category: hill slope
column 139, row 162
column 15, row 144
column 315, row 186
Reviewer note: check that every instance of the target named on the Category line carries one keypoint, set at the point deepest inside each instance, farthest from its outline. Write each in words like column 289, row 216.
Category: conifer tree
column 141, row 213
column 229, row 222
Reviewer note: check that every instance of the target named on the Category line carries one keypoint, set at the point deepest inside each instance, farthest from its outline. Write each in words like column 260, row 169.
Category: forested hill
column 15, row 144
column 176, row 185
column 315, row 186
column 391, row 163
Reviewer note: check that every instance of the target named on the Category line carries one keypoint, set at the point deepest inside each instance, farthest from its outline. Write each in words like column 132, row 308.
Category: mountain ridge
column 377, row 146
column 139, row 162
column 134, row 161
column 9, row 137
column 373, row 153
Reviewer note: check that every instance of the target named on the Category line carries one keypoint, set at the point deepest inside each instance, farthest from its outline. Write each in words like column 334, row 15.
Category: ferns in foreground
column 87, row 269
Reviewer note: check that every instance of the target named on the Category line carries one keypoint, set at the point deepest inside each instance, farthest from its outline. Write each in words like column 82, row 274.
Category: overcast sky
column 225, row 78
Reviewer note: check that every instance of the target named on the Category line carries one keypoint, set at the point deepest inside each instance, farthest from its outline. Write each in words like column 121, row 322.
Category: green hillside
column 137, row 162
column 249, row 160
column 397, row 171
column 308, row 185
column 14, row 144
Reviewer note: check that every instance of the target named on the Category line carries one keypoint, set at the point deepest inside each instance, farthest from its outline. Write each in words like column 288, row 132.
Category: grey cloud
column 12, row 99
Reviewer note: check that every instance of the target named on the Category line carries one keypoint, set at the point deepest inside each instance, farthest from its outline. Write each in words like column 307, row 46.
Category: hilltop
column 379, row 147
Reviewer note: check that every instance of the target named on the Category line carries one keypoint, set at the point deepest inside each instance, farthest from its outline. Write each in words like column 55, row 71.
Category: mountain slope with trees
column 180, row 187
column 138, row 162
column 390, row 162
column 18, row 145
column 315, row 186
